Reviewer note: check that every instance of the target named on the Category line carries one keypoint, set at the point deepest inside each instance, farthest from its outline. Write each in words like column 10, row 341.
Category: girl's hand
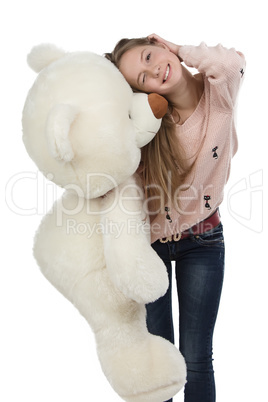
column 171, row 46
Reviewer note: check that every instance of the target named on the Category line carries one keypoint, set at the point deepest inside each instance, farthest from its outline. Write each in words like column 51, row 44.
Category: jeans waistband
column 204, row 226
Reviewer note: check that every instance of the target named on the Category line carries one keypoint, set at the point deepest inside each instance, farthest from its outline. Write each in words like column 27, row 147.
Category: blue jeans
column 199, row 278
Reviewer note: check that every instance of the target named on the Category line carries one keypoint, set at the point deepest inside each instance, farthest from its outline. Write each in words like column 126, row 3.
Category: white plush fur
column 59, row 121
column 43, row 55
column 83, row 125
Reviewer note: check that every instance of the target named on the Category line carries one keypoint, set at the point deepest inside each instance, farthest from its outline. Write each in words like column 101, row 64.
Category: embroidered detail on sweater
column 242, row 72
column 207, row 198
column 167, row 209
column 215, row 155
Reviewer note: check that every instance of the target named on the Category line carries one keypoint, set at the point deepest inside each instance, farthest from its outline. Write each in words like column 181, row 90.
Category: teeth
column 167, row 72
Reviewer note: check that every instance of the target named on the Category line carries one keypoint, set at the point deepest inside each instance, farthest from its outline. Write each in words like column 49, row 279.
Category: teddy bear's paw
column 137, row 271
column 144, row 282
column 150, row 283
column 149, row 371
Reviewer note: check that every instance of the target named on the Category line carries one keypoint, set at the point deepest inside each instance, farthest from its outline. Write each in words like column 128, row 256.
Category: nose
column 154, row 71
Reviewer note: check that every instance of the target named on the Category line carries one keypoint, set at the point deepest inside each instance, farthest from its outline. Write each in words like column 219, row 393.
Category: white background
column 47, row 348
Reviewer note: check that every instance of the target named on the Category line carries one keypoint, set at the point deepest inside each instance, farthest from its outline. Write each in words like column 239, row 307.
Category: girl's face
column 152, row 68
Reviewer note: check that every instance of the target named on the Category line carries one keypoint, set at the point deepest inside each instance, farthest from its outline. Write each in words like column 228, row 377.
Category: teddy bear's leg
column 139, row 366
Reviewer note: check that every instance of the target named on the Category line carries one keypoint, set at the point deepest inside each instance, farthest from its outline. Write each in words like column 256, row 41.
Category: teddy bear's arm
column 132, row 264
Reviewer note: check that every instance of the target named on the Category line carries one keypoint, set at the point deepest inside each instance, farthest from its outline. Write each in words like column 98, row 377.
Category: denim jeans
column 199, row 265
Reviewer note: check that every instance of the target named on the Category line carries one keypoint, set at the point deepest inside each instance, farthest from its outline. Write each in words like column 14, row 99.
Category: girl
column 184, row 171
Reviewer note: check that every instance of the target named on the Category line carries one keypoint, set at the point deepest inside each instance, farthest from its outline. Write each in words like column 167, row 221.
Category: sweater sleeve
column 223, row 67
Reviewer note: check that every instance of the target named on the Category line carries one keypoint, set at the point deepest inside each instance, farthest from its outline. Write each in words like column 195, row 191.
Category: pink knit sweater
column 208, row 137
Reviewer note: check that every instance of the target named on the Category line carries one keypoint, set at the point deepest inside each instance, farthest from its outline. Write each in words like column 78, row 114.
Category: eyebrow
column 138, row 79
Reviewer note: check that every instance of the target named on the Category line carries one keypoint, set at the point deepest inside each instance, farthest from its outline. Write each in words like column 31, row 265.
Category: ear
column 42, row 55
column 59, row 121
column 165, row 46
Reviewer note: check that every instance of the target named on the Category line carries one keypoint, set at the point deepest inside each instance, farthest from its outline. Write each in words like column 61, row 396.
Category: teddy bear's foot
column 152, row 370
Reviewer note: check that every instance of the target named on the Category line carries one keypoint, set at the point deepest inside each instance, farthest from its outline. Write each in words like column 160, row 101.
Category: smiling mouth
column 167, row 73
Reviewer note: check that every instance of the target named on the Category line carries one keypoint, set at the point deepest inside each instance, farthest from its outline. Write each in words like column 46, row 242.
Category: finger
column 154, row 37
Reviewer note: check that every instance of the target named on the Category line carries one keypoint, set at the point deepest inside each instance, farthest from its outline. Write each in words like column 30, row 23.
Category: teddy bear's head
column 82, row 124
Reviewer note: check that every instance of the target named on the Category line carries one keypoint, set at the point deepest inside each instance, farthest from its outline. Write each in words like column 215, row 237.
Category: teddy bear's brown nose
column 158, row 104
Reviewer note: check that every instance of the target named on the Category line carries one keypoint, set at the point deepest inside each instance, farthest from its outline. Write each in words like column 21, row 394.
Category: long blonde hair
column 164, row 166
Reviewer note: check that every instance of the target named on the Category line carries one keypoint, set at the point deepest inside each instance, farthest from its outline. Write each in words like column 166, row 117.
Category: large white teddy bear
column 84, row 127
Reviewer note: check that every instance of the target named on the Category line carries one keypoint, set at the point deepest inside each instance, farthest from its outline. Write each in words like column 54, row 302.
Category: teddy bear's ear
column 59, row 121
column 43, row 55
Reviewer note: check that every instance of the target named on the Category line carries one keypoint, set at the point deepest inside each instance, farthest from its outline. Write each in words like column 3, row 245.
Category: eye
column 148, row 56
column 143, row 79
